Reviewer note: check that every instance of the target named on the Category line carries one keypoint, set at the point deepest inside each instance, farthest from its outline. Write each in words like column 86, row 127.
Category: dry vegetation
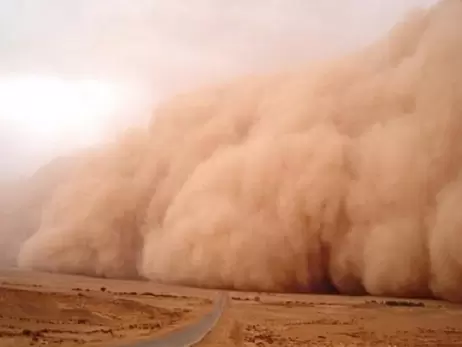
column 53, row 310
column 310, row 320
column 58, row 310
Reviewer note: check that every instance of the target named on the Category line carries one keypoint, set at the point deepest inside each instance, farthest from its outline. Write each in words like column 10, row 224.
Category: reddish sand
column 309, row 320
column 58, row 310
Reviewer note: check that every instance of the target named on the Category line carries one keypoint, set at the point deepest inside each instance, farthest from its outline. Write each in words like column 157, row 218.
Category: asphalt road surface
column 193, row 333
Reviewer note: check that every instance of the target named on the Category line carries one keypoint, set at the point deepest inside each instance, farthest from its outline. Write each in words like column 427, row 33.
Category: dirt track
column 57, row 310
column 53, row 310
column 310, row 320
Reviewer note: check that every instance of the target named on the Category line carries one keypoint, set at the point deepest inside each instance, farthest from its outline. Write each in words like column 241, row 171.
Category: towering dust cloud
column 347, row 173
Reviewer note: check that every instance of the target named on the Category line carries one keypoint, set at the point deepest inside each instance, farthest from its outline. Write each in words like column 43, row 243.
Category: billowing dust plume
column 344, row 174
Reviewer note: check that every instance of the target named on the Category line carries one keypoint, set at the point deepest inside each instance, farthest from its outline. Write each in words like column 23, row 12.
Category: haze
column 72, row 72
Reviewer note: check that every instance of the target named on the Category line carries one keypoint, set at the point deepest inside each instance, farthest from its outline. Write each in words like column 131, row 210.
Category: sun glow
column 49, row 110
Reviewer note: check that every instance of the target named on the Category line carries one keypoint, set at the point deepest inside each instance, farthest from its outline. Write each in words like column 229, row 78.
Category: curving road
column 193, row 333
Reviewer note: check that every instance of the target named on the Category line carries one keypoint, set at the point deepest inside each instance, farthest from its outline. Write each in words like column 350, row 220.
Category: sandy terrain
column 55, row 310
column 308, row 320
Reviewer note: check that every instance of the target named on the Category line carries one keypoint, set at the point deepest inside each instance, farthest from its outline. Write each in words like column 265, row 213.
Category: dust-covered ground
column 38, row 309
column 343, row 175
column 255, row 319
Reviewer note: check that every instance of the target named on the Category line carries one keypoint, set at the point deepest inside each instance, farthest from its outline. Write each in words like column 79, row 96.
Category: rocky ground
column 55, row 310
column 308, row 320
column 39, row 309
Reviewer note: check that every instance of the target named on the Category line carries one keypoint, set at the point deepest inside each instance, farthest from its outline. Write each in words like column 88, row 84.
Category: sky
column 73, row 71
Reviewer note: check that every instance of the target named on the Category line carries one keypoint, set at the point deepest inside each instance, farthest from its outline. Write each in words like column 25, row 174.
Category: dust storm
column 345, row 173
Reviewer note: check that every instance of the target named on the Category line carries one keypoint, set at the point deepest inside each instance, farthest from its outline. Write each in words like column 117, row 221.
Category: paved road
column 193, row 333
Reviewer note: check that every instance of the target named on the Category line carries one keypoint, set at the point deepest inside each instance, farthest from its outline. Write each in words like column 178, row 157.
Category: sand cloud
column 345, row 174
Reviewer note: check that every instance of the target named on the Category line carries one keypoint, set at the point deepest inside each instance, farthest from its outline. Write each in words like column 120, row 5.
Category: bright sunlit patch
column 51, row 112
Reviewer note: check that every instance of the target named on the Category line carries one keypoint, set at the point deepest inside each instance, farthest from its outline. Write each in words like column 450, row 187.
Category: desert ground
column 255, row 319
column 58, row 310
column 38, row 309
